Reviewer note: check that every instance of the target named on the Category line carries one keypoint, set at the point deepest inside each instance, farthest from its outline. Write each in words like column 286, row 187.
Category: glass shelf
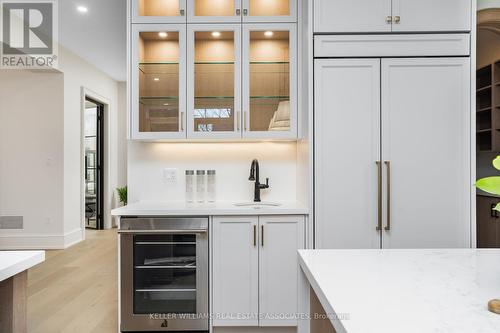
column 214, row 63
column 269, row 62
column 159, row 67
column 160, row 101
column 270, row 97
column 214, row 97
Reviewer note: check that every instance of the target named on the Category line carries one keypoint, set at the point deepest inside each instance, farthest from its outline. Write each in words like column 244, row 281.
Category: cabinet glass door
column 214, row 11
column 269, row 10
column 158, row 81
column 270, row 83
column 214, row 81
column 165, row 274
column 158, row 11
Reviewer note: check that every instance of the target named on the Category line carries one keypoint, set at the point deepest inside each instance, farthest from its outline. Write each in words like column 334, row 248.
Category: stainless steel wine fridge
column 164, row 274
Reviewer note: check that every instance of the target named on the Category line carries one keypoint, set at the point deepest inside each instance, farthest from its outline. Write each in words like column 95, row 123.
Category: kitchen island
column 14, row 267
column 362, row 291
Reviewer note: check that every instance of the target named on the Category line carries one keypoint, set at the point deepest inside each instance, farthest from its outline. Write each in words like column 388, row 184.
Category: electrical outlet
column 170, row 175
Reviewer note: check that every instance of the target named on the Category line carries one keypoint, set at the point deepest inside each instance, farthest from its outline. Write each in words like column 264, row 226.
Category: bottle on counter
column 189, row 185
column 200, row 185
column 211, row 192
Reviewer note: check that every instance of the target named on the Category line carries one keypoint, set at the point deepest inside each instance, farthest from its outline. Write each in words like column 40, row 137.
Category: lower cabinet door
column 235, row 271
column 279, row 239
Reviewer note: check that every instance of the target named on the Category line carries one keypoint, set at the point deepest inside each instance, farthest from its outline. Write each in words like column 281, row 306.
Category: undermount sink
column 257, row 204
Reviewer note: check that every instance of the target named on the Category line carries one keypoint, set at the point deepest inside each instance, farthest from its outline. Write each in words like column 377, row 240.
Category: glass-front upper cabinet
column 269, row 81
column 205, row 11
column 269, row 10
column 158, row 11
column 214, row 81
column 158, row 81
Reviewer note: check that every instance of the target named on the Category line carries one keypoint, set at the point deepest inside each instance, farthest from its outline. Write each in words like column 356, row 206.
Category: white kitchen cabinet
column 210, row 11
column 214, row 81
column 403, row 179
column 431, row 15
column 158, row 11
column 357, row 16
column 254, row 11
column 158, row 81
column 347, row 130
column 336, row 16
column 426, row 137
column 269, row 86
column 235, row 271
column 248, row 11
column 255, row 269
column 280, row 238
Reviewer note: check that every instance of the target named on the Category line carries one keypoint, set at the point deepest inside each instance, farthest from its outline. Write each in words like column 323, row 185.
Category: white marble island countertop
column 411, row 291
column 14, row 262
column 148, row 208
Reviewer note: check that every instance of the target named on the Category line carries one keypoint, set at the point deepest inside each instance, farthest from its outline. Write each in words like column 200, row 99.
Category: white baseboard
column 73, row 237
column 40, row 242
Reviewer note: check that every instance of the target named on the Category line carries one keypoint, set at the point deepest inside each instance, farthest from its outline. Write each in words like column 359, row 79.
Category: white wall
column 230, row 160
column 31, row 157
column 80, row 74
column 482, row 4
column 41, row 164
column 122, row 134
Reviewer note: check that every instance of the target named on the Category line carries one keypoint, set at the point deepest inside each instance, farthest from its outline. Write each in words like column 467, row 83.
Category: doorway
column 487, row 123
column 94, row 159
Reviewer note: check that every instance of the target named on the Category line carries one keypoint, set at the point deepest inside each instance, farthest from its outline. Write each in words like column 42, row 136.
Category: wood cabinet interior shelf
column 488, row 108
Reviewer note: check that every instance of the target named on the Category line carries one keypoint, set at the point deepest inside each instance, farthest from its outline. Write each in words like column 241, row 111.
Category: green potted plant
column 122, row 194
column 492, row 185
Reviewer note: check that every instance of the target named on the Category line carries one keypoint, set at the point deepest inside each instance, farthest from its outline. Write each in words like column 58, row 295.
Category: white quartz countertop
column 411, row 291
column 216, row 208
column 14, row 262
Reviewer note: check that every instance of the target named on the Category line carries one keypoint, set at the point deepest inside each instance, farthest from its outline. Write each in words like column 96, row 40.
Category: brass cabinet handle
column 388, row 19
column 182, row 12
column 182, row 121
column 388, row 225
column 379, row 196
column 262, row 235
column 245, row 120
column 397, row 19
column 238, row 120
column 238, row 12
column 254, row 235
column 245, row 11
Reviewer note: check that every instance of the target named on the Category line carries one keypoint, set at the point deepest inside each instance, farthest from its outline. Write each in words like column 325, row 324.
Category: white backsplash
column 146, row 162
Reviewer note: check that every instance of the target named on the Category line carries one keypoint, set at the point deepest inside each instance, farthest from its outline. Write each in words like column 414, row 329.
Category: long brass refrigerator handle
column 379, row 195
column 262, row 235
column 254, row 235
column 388, row 225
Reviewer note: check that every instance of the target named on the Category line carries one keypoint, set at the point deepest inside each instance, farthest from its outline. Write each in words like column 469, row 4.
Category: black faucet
column 254, row 176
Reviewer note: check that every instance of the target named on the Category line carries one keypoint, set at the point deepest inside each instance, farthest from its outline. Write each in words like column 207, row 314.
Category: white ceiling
column 98, row 36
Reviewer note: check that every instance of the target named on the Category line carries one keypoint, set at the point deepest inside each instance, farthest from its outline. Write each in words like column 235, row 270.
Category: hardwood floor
column 75, row 290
